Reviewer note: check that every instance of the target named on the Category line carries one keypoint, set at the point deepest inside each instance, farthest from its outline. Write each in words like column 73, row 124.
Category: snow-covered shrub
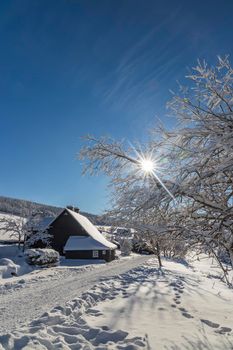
column 125, row 246
column 172, row 248
column 8, row 268
column 142, row 246
column 42, row 257
column 38, row 239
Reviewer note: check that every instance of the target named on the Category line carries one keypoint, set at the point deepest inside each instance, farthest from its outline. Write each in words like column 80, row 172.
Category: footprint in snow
column 210, row 323
column 162, row 309
column 187, row 315
column 182, row 309
column 94, row 312
column 223, row 330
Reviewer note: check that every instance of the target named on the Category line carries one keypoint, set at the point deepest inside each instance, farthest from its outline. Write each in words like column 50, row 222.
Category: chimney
column 71, row 207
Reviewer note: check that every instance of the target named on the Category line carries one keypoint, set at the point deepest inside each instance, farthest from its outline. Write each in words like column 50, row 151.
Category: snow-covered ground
column 24, row 298
column 185, row 307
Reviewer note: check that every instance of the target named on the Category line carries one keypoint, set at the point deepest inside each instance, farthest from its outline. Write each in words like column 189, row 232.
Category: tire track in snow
column 22, row 306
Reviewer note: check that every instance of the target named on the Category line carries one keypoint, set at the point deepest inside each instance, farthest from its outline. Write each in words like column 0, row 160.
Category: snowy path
column 23, row 302
column 183, row 307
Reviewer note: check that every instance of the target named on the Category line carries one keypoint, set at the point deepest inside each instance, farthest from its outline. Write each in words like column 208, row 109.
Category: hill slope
column 20, row 207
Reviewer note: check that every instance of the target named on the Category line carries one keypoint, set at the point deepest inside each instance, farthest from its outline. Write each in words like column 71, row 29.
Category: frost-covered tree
column 13, row 226
column 36, row 232
column 188, row 192
column 201, row 150
column 26, row 230
column 137, row 201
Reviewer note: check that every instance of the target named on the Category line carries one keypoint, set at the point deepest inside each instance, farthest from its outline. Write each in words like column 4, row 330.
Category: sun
column 147, row 165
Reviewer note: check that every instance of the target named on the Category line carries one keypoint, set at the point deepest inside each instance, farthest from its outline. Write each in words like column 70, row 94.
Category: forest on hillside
column 20, row 207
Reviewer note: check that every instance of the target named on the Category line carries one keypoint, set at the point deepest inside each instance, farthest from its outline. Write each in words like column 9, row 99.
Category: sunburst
column 149, row 166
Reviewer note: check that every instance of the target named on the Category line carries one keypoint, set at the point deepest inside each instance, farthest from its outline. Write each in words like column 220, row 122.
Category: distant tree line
column 22, row 207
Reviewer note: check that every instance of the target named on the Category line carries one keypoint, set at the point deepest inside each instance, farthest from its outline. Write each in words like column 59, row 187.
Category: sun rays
column 148, row 166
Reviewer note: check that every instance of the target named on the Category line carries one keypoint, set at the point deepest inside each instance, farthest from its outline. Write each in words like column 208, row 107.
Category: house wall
column 88, row 254
column 62, row 228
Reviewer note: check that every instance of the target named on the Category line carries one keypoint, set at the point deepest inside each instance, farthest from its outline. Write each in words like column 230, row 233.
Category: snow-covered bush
column 42, row 257
column 125, row 246
column 8, row 268
column 142, row 245
column 172, row 248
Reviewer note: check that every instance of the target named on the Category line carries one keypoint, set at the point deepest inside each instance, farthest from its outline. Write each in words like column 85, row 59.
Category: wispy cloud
column 138, row 74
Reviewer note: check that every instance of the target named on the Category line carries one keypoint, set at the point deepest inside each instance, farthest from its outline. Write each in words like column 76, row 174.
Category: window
column 104, row 252
column 95, row 254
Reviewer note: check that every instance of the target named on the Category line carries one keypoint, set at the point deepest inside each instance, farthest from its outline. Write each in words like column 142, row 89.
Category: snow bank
column 8, row 268
column 12, row 262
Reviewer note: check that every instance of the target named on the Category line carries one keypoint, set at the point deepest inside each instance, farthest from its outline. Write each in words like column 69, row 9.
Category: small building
column 74, row 236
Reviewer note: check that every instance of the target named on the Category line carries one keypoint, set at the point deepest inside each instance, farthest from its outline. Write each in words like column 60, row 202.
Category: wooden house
column 74, row 236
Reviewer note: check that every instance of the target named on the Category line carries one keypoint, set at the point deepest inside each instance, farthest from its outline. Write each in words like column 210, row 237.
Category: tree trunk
column 159, row 255
column 231, row 256
column 19, row 242
column 24, row 241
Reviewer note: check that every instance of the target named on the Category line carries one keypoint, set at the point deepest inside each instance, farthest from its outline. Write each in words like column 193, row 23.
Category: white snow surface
column 91, row 230
column 183, row 307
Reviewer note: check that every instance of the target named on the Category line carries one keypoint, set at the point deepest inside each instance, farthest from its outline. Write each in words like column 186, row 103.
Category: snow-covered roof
column 44, row 223
column 96, row 238
column 85, row 243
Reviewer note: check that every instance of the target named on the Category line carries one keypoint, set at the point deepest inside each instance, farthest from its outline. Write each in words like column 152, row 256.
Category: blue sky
column 104, row 67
